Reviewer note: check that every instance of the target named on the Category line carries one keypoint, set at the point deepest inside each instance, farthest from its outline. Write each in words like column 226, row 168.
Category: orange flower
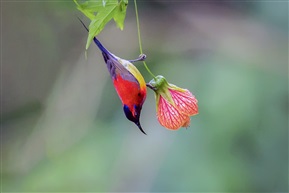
column 174, row 105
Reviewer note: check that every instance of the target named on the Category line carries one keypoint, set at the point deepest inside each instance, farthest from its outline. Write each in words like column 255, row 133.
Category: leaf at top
column 100, row 13
column 120, row 14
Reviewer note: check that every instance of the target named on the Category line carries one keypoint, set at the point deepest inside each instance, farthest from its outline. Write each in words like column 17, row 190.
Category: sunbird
column 127, row 80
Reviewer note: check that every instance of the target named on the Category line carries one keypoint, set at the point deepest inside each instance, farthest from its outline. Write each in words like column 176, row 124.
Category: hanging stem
column 139, row 39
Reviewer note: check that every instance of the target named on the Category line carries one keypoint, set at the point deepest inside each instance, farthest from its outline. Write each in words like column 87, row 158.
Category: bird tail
column 96, row 41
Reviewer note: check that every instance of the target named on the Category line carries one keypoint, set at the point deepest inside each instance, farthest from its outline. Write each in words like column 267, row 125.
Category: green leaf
column 120, row 14
column 100, row 13
column 87, row 8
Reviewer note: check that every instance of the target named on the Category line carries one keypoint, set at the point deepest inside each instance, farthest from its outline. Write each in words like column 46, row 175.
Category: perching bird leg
column 141, row 57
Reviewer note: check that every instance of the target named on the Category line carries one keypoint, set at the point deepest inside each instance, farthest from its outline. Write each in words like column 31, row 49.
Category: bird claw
column 141, row 57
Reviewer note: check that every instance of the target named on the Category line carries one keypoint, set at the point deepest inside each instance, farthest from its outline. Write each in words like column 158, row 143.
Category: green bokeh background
column 62, row 124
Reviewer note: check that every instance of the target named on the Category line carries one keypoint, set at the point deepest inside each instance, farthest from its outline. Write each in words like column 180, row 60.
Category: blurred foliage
column 63, row 127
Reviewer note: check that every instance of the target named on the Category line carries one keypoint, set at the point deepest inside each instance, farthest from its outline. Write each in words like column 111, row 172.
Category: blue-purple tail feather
column 96, row 41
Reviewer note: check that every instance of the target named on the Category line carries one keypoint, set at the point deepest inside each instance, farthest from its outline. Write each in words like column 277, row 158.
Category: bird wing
column 116, row 69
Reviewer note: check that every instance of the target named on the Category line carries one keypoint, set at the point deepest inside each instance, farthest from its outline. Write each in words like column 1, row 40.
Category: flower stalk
column 139, row 39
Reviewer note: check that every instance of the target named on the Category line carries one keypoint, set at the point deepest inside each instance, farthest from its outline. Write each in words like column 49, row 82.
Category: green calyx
column 161, row 87
column 158, row 83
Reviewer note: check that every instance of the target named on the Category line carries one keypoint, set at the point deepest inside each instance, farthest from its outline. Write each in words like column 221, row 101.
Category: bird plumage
column 128, row 82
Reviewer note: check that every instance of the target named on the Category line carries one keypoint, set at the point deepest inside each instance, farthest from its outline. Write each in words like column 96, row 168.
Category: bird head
column 133, row 113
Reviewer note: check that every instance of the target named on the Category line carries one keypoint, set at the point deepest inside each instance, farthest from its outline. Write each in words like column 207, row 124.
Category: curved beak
column 140, row 128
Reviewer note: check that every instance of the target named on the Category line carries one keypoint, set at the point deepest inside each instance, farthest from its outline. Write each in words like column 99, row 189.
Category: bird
column 127, row 80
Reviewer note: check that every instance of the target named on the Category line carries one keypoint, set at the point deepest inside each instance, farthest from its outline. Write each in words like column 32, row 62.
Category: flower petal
column 185, row 101
column 187, row 123
column 169, row 116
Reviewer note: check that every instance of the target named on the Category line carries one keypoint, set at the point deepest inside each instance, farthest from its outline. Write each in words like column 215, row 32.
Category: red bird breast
column 129, row 92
